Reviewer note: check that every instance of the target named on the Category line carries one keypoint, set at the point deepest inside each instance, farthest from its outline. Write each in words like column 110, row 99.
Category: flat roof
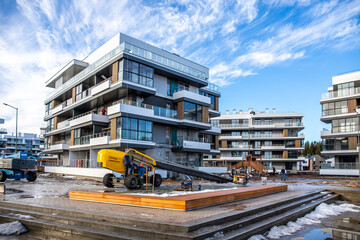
column 346, row 77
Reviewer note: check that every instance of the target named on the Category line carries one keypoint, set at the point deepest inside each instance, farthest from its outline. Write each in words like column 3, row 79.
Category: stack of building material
column 17, row 163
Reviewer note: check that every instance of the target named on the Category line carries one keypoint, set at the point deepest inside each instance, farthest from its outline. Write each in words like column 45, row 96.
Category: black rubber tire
column 158, row 180
column 108, row 180
column 131, row 182
column 3, row 176
column 31, row 176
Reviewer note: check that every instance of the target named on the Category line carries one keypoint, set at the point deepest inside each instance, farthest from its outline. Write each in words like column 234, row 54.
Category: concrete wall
column 160, row 83
column 89, row 172
column 340, row 172
column 159, row 134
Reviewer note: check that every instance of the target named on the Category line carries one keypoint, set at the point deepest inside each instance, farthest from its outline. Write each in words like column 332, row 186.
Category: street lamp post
column 16, row 124
column 357, row 110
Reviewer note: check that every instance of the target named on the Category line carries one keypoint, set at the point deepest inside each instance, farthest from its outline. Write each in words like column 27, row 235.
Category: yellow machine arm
column 113, row 159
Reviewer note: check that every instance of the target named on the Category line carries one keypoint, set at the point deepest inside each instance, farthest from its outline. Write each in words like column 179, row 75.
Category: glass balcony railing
column 234, row 125
column 158, row 111
column 341, row 93
column 340, row 166
column 82, row 140
column 164, row 112
column 165, row 61
column 212, row 87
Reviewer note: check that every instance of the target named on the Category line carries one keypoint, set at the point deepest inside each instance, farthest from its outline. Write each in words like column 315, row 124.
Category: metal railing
column 101, row 134
column 341, row 93
column 340, row 166
column 82, row 115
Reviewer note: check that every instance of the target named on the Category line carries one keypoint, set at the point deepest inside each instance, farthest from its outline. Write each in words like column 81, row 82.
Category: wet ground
column 48, row 185
column 55, row 187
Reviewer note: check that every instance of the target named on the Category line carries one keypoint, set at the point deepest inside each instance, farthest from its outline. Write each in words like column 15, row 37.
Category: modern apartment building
column 339, row 107
column 2, row 140
column 130, row 94
column 274, row 136
column 26, row 142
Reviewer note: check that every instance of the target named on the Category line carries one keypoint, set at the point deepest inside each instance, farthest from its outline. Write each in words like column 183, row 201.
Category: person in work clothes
column 283, row 172
column 128, row 166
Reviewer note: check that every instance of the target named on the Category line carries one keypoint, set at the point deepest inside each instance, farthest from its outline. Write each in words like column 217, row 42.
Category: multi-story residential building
column 26, row 142
column 274, row 136
column 2, row 140
column 129, row 94
column 339, row 108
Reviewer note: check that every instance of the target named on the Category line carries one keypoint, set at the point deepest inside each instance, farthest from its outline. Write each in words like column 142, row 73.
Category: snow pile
column 25, row 217
column 322, row 211
column 13, row 228
column 176, row 193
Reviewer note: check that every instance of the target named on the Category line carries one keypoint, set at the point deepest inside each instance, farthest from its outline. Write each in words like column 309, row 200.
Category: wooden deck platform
column 179, row 202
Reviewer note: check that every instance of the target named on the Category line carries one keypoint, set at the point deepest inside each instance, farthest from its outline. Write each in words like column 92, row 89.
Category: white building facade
column 274, row 136
column 339, row 109
column 129, row 94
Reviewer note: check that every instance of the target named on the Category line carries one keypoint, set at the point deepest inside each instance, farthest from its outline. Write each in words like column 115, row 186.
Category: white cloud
column 234, row 38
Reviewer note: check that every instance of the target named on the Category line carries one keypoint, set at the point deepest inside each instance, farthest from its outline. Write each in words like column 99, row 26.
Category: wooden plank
column 180, row 202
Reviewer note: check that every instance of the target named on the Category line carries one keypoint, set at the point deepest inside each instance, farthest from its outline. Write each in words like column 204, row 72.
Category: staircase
column 50, row 223
column 257, row 166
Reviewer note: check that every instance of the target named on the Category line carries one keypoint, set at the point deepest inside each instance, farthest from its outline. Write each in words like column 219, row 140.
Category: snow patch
column 25, row 217
column 322, row 211
column 180, row 193
column 257, row 237
column 13, row 228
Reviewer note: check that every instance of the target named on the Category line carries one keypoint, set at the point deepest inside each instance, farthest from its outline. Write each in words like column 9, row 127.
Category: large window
column 344, row 125
column 334, row 108
column 134, row 129
column 192, row 111
column 136, row 72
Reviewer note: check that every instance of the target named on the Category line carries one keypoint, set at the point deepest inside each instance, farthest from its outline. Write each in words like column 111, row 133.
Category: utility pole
column 16, row 136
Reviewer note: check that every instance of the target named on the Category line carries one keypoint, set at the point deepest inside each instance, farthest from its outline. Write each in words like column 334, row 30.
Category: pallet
column 180, row 202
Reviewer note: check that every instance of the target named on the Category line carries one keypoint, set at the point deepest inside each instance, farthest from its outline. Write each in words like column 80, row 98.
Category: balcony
column 340, row 169
column 100, row 139
column 102, row 86
column 131, row 108
column 88, row 119
column 193, row 145
column 341, row 93
column 59, row 146
column 191, row 96
column 63, row 124
column 78, row 78
column 213, row 131
column 273, row 147
column 237, row 125
column 3, row 131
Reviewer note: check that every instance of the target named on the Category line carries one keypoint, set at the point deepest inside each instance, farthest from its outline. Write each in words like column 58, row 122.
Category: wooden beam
column 205, row 114
column 351, row 105
column 72, row 137
column 181, row 110
column 352, row 143
column 113, row 129
column 115, row 72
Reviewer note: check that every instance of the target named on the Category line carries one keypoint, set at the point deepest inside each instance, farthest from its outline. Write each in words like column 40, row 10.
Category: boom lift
column 113, row 160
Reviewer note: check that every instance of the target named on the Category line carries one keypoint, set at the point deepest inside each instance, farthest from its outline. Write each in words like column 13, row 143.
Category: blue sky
column 263, row 54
